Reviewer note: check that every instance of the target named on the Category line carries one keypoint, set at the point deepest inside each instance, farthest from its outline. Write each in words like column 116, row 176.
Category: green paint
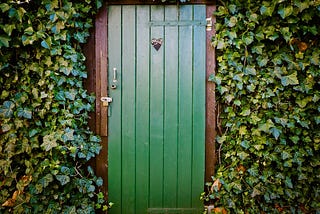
column 157, row 122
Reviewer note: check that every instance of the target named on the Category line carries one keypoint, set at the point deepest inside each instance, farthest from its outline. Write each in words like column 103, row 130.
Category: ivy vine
column 45, row 142
column 268, row 90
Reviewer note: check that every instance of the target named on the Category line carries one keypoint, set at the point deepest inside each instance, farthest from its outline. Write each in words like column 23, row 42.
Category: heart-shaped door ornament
column 156, row 43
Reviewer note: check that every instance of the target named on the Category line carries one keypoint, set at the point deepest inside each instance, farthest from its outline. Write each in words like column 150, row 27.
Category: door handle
column 114, row 85
column 114, row 75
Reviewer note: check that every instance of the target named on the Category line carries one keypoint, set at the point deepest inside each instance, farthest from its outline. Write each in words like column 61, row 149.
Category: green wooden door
column 156, row 137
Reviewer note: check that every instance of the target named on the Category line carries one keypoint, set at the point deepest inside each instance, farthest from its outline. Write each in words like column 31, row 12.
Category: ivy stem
column 78, row 172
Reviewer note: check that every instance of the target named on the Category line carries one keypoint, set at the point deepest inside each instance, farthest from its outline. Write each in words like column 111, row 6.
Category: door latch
column 105, row 101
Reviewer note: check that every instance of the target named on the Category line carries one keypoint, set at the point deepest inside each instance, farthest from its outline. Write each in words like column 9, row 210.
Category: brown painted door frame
column 97, row 65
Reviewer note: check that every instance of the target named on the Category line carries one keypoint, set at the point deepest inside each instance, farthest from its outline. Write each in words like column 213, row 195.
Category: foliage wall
column 45, row 142
column 268, row 87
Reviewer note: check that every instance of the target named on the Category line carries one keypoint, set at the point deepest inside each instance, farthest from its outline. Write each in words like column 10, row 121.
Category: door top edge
column 158, row 2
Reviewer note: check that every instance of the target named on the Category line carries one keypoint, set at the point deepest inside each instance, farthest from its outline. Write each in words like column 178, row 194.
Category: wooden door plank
column 128, row 109
column 101, row 52
column 114, row 160
column 156, row 113
column 185, row 109
column 170, row 109
column 199, row 80
column 142, row 109
column 99, row 80
column 210, row 101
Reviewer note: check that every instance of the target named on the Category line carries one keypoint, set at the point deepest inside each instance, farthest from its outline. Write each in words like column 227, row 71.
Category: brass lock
column 105, row 101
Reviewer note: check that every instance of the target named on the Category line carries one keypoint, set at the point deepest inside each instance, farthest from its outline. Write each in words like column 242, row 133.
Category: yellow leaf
column 11, row 201
column 216, row 186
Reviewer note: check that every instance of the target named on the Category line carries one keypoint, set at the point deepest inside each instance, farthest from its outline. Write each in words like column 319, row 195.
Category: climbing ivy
column 45, row 142
column 268, row 90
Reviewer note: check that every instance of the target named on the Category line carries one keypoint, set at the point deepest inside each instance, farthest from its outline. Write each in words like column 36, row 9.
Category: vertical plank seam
column 149, row 94
column 135, row 109
column 178, row 113
column 121, row 95
column 193, row 108
column 163, row 102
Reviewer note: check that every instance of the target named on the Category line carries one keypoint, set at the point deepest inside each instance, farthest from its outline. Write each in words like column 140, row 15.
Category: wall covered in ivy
column 45, row 142
column 268, row 90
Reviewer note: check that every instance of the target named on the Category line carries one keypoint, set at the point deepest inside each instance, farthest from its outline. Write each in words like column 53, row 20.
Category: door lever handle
column 114, row 75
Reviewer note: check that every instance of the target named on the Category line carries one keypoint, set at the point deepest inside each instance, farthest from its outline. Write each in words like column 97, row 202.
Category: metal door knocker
column 156, row 43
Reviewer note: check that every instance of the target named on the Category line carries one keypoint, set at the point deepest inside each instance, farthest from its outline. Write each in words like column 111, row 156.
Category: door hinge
column 105, row 101
column 209, row 24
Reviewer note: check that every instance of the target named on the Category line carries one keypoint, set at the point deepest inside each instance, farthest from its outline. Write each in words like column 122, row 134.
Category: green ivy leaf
column 250, row 70
column 221, row 139
column 284, row 12
column 5, row 127
column 245, row 112
column 6, row 110
column 295, row 139
column 245, row 144
column 33, row 132
column 49, row 142
column 265, row 127
column 216, row 79
column 63, row 179
column 243, row 130
column 68, row 135
column 286, row 33
column 303, row 102
column 288, row 182
column 253, row 171
column 266, row 9
column 99, row 182
column 25, row 113
column 275, row 132
column 285, row 155
column 46, row 180
column 242, row 155
column 46, row 43
column 94, row 138
column 4, row 41
column 248, row 39
column 98, row 4
column 290, row 79
column 258, row 49
column 8, row 28
column 262, row 61
column 315, row 58
column 302, row 5
column 232, row 22
column 71, row 95
column 4, row 7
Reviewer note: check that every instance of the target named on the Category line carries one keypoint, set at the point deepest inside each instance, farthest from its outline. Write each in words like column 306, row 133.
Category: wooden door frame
column 96, row 51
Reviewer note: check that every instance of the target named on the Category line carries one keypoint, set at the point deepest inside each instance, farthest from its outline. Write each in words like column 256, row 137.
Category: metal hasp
column 105, row 101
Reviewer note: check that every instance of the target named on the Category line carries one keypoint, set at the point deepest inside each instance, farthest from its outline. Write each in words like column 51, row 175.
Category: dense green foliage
column 45, row 142
column 268, row 89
